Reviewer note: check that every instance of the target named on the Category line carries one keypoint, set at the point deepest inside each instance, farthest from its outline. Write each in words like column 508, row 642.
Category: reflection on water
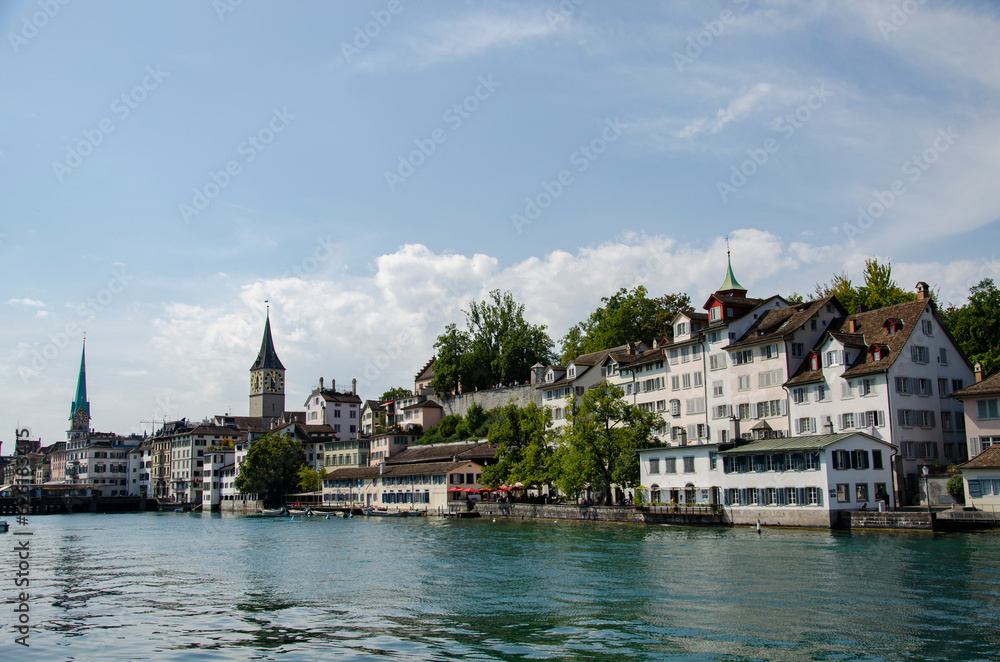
column 172, row 586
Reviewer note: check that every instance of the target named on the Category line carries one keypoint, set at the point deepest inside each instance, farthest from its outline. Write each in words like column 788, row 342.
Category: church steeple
column 731, row 286
column 267, row 358
column 79, row 412
column 267, row 379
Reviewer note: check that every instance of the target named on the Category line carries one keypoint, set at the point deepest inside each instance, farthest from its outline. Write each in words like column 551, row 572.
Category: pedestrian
column 758, row 526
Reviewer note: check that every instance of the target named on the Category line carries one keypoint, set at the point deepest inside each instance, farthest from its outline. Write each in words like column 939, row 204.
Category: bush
column 956, row 487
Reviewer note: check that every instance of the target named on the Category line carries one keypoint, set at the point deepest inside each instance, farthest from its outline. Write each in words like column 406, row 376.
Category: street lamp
column 925, row 470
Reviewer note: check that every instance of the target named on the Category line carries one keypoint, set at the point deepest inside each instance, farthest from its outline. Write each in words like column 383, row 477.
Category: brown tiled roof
column 440, row 452
column 697, row 317
column 989, row 386
column 778, row 322
column 248, row 423
column 596, row 358
column 869, row 325
column 805, row 376
column 427, row 371
column 640, row 358
column 334, row 396
column 988, row 459
column 421, row 469
column 850, row 339
column 423, row 403
column 739, row 301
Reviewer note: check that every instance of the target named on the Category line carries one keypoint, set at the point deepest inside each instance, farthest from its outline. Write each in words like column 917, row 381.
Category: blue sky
column 168, row 166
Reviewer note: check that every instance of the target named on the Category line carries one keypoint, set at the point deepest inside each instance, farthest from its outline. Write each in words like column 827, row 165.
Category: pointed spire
column 731, row 284
column 81, row 402
column 267, row 358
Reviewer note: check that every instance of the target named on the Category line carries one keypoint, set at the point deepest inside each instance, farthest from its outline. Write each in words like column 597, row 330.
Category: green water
column 198, row 587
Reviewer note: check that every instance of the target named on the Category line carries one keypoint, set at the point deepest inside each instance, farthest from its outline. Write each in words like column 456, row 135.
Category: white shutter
column 974, row 446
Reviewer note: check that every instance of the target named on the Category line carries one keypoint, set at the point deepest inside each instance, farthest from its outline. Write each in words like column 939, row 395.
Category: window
column 877, row 459
column 859, row 459
column 675, row 407
column 743, row 411
column 843, row 493
column 685, row 355
column 865, row 387
column 771, row 408
column 927, row 327
column 920, row 354
column 769, row 351
column 904, row 385
column 682, row 328
column 923, row 386
column 946, row 420
column 675, row 383
column 670, row 465
column 695, row 406
column 673, row 357
column 841, row 459
column 800, row 395
column 987, row 409
column 814, row 363
column 943, row 356
column 814, row 497
column 925, row 418
column 770, row 378
column 820, row 392
column 698, row 380
column 905, row 417
column 717, row 389
column 721, row 411
column 654, row 466
column 868, row 419
column 743, row 357
column 861, row 492
column 798, row 350
column 713, row 337
column 832, row 358
column 661, row 405
column 686, row 380
column 943, row 387
column 688, row 465
column 846, row 421
column 715, row 313
column 717, row 361
column 805, row 425
column 713, row 460
column 743, row 383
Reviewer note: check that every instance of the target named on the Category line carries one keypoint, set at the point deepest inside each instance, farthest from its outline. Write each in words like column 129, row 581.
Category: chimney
column 923, row 291
column 850, row 326
column 333, row 385
column 656, row 343
column 354, row 386
column 734, row 429
column 630, row 348
column 979, row 372
column 828, row 426
column 320, row 384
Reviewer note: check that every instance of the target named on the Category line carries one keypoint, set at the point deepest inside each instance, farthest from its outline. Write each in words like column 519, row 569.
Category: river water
column 171, row 586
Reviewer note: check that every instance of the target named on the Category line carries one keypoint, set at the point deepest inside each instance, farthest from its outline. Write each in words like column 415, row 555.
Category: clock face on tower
column 255, row 382
column 274, row 381
column 80, row 418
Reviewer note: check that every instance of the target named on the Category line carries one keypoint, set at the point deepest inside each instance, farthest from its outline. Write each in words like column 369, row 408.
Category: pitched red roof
column 988, row 459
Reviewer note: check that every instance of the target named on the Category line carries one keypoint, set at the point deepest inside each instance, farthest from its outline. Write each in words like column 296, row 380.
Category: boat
column 307, row 512
column 371, row 512
column 271, row 512
column 4, row 526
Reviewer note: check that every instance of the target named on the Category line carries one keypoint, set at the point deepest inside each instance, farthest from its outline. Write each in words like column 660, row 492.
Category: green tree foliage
column 879, row 290
column 475, row 424
column 628, row 315
column 499, row 347
column 309, row 479
column 524, row 454
column 271, row 469
column 976, row 325
column 600, row 445
column 395, row 393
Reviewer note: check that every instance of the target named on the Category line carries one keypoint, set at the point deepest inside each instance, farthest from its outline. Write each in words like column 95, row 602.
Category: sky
column 368, row 168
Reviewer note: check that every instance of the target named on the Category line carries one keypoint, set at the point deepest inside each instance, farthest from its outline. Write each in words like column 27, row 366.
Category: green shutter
column 974, row 490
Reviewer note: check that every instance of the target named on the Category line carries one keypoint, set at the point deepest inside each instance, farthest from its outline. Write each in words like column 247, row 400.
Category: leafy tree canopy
column 499, row 347
column 626, row 316
column 976, row 325
column 309, row 479
column 524, row 454
column 475, row 424
column 395, row 393
column 271, row 469
column 879, row 290
column 600, row 445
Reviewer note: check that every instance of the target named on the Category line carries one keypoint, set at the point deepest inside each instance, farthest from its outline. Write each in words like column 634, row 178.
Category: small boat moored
column 4, row 526
column 272, row 512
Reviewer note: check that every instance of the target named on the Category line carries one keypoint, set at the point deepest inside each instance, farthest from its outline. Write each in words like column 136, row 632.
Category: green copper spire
column 730, row 283
column 81, row 403
column 267, row 358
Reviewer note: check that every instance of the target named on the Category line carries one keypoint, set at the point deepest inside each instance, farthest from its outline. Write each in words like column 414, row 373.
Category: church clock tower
column 267, row 380
column 79, row 411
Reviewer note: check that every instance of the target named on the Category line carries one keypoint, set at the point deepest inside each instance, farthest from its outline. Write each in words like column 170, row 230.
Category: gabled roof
column 988, row 459
column 427, row 371
column 779, row 322
column 422, row 469
column 640, row 358
column 440, row 452
column 423, row 404
column 871, row 326
column 989, row 386
column 596, row 358
column 807, row 442
column 267, row 359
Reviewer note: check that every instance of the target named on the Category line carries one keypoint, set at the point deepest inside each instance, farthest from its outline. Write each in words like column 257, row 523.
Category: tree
column 879, row 290
column 271, row 469
column 309, row 479
column 976, row 325
column 524, row 454
column 395, row 393
column 600, row 445
column 625, row 316
column 499, row 347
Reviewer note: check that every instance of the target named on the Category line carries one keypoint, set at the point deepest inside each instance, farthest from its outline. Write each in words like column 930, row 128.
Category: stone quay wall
column 912, row 521
column 563, row 511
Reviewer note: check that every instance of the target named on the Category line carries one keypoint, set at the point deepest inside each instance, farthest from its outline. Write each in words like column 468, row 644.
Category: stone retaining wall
column 815, row 517
column 490, row 399
column 565, row 512
column 889, row 520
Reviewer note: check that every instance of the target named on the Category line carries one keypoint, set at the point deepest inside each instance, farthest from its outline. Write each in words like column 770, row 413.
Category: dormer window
column 571, row 373
column 715, row 313
column 893, row 325
column 877, row 354
column 813, row 362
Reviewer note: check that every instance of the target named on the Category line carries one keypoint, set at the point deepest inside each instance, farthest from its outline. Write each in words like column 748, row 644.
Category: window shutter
column 881, row 418
column 974, row 490
column 798, row 425
column 974, row 446
column 819, row 496
column 812, row 425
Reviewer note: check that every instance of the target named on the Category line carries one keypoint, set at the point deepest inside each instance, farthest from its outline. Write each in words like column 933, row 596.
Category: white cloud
column 30, row 303
column 737, row 108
